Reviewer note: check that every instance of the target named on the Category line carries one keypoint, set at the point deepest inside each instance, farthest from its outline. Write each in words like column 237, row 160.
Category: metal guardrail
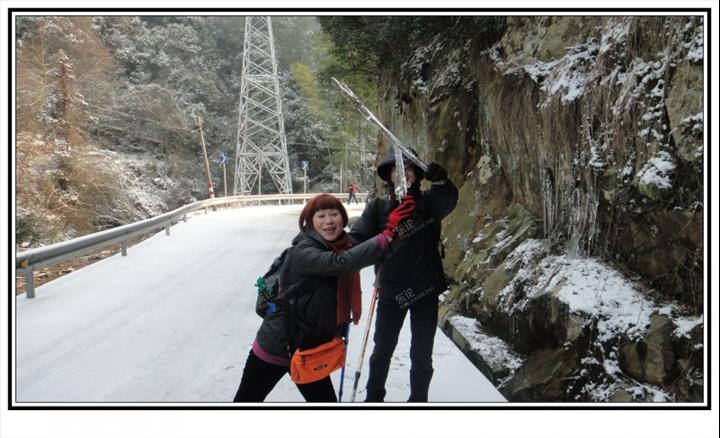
column 26, row 262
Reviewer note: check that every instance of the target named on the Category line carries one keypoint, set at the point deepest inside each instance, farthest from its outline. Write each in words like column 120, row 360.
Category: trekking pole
column 365, row 339
column 345, row 333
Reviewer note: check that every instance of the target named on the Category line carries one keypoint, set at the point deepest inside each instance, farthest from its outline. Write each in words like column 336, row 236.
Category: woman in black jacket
column 324, row 265
column 411, row 275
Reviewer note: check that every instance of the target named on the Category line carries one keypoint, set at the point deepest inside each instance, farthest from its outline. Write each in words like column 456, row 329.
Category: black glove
column 435, row 172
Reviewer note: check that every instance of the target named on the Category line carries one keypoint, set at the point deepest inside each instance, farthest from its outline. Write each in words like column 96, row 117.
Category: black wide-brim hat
column 388, row 162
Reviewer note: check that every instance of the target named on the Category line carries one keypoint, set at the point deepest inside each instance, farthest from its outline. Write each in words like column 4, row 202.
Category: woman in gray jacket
column 325, row 265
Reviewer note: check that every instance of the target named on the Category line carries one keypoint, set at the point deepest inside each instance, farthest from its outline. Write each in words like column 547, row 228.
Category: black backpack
column 268, row 287
column 309, row 319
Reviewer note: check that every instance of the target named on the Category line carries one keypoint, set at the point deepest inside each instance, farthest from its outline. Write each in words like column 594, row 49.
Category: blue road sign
column 304, row 165
column 223, row 158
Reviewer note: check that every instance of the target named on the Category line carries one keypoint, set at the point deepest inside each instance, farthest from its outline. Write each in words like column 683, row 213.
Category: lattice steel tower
column 261, row 140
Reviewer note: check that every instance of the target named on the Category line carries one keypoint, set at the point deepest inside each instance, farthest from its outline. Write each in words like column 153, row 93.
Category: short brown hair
column 321, row 202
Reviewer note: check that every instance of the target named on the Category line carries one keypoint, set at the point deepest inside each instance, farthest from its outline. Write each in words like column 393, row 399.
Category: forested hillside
column 108, row 108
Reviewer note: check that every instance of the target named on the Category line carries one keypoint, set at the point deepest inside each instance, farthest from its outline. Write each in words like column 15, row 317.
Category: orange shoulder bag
column 314, row 364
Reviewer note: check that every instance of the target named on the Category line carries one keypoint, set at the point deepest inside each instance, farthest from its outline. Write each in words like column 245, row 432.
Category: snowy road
column 174, row 320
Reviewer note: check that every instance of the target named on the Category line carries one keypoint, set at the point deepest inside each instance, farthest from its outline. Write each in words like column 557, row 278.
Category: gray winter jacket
column 312, row 264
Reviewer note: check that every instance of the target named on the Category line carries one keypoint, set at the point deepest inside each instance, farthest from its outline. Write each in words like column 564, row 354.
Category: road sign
column 223, row 159
column 304, row 165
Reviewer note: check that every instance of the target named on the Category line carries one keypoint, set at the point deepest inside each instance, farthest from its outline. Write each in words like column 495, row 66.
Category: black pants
column 260, row 377
column 423, row 323
column 351, row 197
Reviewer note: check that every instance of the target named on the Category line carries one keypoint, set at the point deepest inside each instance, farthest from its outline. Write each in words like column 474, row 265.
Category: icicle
column 549, row 205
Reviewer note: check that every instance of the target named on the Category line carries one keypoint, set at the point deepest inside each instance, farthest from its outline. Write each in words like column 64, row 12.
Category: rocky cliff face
column 577, row 245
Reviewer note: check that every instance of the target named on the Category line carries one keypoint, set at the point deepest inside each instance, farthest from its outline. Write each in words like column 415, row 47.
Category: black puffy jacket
column 314, row 266
column 412, row 268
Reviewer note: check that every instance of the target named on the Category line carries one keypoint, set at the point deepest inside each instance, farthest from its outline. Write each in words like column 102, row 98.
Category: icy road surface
column 174, row 320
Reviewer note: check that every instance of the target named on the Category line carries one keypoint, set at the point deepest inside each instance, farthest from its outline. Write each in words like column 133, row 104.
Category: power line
column 134, row 116
column 369, row 151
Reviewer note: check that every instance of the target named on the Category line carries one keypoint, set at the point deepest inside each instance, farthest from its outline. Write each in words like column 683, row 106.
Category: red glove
column 401, row 212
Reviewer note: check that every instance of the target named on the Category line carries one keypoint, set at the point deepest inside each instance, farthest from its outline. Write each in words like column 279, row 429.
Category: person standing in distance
column 411, row 275
column 352, row 190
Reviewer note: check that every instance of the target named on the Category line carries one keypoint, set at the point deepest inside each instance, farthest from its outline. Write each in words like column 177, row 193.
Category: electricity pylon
column 261, row 143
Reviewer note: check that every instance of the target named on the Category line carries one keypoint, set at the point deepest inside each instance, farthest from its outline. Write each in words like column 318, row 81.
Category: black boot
column 375, row 396
column 376, row 380
column 419, row 384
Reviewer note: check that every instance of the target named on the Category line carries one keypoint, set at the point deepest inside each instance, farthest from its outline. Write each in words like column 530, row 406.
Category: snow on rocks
column 591, row 287
column 657, row 171
column 568, row 75
column 695, row 47
column 693, row 123
column 587, row 285
column 546, row 307
column 417, row 64
column 596, row 156
column 684, row 324
column 525, row 254
column 496, row 352
column 634, row 83
column 615, row 32
column 479, row 238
